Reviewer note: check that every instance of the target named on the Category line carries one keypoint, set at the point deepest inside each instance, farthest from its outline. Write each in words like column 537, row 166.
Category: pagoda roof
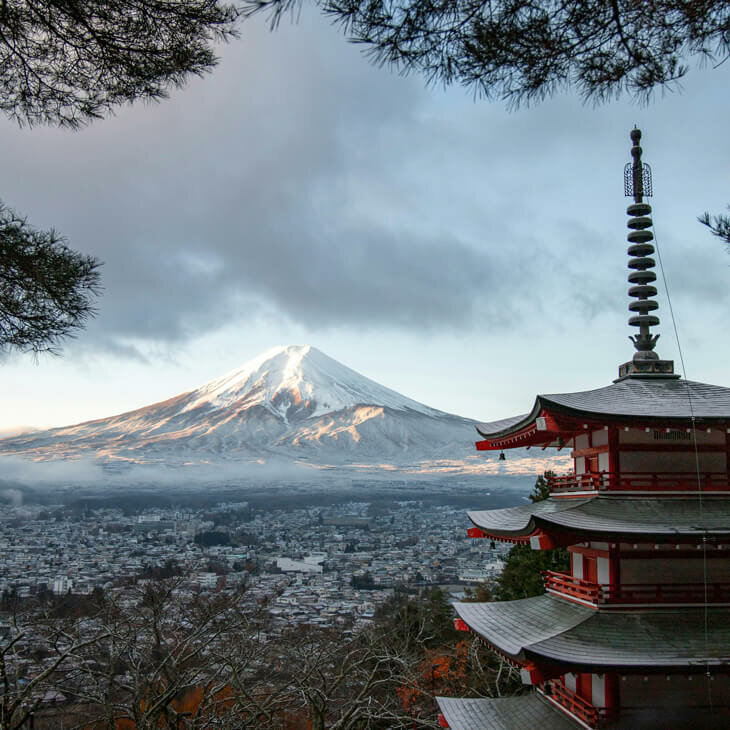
column 645, row 399
column 533, row 711
column 503, row 713
column 565, row 633
column 615, row 518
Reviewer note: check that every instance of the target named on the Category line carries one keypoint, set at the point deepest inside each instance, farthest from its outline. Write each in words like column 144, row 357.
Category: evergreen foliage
column 525, row 51
column 719, row 225
column 541, row 490
column 46, row 289
column 522, row 574
column 70, row 62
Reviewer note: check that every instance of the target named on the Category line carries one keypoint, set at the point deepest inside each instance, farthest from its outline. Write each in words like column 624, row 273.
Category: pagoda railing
column 635, row 593
column 571, row 586
column 582, row 709
column 639, row 482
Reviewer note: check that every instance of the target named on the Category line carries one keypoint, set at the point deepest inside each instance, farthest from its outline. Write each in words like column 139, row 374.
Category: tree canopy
column 70, row 62
column 66, row 63
column 521, row 51
column 46, row 289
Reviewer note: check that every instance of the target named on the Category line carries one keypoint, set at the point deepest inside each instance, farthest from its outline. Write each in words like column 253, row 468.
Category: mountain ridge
column 293, row 403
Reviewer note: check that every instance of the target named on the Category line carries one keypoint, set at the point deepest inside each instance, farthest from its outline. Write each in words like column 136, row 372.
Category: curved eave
column 506, row 426
column 618, row 519
column 516, row 522
column 551, row 631
column 503, row 713
column 511, row 626
column 646, row 640
column 635, row 401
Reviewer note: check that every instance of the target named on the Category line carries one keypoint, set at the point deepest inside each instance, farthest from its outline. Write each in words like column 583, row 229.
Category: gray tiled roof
column 644, row 638
column 622, row 517
column 513, row 625
column 518, row 520
column 504, row 713
column 648, row 399
column 531, row 712
column 552, row 628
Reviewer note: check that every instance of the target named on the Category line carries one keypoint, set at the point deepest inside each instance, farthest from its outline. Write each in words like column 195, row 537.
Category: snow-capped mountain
column 292, row 403
column 298, row 382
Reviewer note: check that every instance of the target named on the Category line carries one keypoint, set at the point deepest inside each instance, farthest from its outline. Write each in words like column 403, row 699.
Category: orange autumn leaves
column 442, row 672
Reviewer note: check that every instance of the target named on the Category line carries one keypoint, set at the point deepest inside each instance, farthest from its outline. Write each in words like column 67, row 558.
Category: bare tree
column 54, row 644
column 159, row 646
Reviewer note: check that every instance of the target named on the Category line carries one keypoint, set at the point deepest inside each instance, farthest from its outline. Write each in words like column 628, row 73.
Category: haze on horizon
column 465, row 256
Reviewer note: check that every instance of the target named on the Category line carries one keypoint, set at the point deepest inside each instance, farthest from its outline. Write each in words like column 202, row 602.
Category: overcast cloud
column 299, row 180
column 301, row 185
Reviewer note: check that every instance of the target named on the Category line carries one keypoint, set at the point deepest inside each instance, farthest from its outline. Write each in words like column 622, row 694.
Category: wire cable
column 697, row 458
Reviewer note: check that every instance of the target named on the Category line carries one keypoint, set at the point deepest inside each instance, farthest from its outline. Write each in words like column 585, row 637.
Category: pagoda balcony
column 632, row 594
column 594, row 717
column 639, row 482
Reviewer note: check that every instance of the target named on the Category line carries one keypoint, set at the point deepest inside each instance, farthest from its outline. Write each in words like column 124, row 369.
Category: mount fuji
column 290, row 403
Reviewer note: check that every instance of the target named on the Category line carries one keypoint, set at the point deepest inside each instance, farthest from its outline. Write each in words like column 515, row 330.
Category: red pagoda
column 637, row 633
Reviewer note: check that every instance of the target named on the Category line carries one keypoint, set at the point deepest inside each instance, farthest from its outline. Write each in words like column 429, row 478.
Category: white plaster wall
column 570, row 681
column 602, row 570
column 598, row 690
column 576, row 561
column 600, row 438
column 603, row 462
column 581, row 441
column 598, row 545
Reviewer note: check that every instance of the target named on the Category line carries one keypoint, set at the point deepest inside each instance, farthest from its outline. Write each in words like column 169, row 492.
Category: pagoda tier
column 636, row 634
column 632, row 402
column 553, row 522
column 539, row 711
column 548, row 636
column 505, row 713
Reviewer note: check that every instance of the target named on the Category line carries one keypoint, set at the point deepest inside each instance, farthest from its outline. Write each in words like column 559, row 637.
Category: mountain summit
column 296, row 382
column 291, row 402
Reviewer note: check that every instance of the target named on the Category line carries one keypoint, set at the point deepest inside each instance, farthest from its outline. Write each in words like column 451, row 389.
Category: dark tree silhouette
column 719, row 225
column 46, row 289
column 523, row 51
column 69, row 62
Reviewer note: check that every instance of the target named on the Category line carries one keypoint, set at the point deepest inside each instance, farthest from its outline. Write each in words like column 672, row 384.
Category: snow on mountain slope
column 290, row 402
column 299, row 380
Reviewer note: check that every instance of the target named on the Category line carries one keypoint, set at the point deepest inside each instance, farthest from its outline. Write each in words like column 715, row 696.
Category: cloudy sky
column 463, row 254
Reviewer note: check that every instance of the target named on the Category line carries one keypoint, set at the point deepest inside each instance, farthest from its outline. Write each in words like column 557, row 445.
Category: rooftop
column 574, row 636
column 504, row 713
column 649, row 400
column 618, row 518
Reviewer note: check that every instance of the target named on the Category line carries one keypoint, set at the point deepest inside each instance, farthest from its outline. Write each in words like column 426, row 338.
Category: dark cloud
column 299, row 180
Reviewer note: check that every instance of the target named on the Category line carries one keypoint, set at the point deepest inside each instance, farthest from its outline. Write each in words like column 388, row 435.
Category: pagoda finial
column 637, row 184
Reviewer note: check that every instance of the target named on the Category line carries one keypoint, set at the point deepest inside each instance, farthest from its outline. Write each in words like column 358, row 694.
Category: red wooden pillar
column 613, row 450
column 611, row 689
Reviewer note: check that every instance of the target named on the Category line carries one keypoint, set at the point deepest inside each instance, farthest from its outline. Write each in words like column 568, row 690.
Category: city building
column 637, row 633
